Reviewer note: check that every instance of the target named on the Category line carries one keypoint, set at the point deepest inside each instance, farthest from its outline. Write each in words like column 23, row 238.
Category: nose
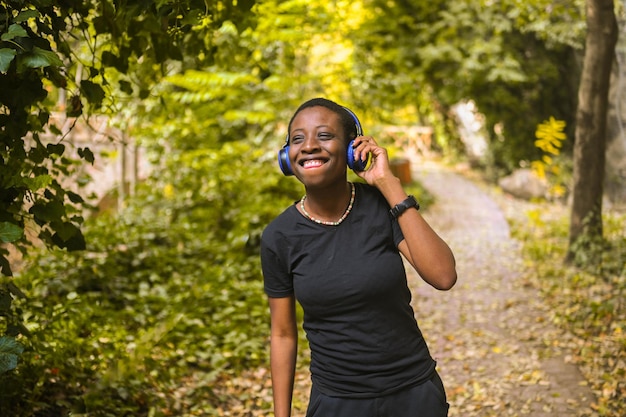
column 310, row 143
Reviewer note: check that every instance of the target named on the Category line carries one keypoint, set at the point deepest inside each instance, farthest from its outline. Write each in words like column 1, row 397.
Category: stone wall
column 119, row 163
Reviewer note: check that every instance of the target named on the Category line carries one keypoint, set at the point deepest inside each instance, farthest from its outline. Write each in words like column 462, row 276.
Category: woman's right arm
column 283, row 350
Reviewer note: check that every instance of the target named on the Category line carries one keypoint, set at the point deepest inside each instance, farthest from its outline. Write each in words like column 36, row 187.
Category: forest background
column 153, row 306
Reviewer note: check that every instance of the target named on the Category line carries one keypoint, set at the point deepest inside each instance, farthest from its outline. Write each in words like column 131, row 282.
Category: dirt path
column 496, row 353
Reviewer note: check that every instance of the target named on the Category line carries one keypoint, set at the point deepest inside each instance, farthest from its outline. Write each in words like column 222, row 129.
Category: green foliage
column 33, row 197
column 31, row 169
column 169, row 287
column 9, row 353
column 83, row 48
column 586, row 300
column 595, row 251
column 9, row 232
column 514, row 59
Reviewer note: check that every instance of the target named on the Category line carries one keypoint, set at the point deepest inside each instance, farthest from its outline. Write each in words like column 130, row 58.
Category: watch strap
column 403, row 206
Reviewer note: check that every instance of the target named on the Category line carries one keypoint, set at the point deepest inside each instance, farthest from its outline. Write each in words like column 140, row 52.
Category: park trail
column 496, row 349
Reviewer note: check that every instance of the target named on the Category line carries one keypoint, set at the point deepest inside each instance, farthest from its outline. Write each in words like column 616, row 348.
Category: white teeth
column 312, row 163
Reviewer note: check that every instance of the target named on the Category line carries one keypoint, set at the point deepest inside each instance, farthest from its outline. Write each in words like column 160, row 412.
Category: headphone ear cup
column 356, row 165
column 283, row 161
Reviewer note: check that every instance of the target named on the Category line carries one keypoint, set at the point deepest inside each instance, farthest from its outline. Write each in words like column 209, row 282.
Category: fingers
column 364, row 139
column 379, row 168
column 364, row 145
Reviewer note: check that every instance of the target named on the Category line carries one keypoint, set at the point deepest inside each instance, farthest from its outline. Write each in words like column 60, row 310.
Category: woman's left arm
column 426, row 251
column 422, row 247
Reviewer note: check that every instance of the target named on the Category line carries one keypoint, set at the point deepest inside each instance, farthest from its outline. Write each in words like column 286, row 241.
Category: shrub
column 169, row 286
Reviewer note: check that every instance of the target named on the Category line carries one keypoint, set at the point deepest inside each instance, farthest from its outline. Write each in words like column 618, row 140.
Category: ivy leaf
column 38, row 58
column 6, row 57
column 13, row 289
column 5, row 301
column 74, row 198
column 126, row 87
column 10, row 350
column 5, row 266
column 23, row 16
column 69, row 237
column 75, row 108
column 93, row 92
column 15, row 31
column 37, row 183
column 58, row 148
column 86, row 154
column 48, row 212
column 10, row 232
column 65, row 230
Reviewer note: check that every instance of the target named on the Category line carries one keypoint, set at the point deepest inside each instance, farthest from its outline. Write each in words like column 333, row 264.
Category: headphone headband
column 359, row 129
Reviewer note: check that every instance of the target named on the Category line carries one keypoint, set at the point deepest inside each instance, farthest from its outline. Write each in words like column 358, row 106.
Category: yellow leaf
column 168, row 191
column 538, row 168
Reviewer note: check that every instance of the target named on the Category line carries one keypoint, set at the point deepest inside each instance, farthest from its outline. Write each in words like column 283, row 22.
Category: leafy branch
column 550, row 137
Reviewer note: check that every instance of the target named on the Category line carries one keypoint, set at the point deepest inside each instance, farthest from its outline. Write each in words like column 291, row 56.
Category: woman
column 337, row 251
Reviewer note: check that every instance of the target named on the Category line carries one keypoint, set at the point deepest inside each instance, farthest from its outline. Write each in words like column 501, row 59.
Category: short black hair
column 348, row 121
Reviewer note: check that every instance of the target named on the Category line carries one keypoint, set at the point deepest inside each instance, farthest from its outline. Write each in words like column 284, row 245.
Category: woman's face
column 317, row 148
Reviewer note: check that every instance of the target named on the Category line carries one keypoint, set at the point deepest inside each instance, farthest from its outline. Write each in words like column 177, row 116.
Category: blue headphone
column 355, row 165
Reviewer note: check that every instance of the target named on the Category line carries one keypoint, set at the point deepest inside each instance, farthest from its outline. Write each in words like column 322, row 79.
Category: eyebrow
column 317, row 127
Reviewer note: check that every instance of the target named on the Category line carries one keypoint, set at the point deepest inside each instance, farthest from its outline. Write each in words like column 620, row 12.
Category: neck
column 328, row 204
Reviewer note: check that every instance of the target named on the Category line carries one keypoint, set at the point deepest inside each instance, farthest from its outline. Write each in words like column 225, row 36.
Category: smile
column 312, row 163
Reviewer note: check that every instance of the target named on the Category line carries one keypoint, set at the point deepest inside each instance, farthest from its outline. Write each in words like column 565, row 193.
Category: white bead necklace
column 327, row 223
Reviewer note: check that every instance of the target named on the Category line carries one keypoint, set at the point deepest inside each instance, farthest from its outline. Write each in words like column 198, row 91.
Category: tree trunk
column 591, row 122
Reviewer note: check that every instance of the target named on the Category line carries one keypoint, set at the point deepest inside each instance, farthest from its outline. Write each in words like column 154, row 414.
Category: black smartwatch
column 401, row 207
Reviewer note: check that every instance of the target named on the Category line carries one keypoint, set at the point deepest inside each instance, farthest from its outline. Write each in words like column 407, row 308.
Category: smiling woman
column 351, row 125
column 338, row 253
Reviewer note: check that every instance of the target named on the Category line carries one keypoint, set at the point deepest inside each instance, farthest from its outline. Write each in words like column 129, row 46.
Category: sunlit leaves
column 550, row 136
column 555, row 22
column 38, row 182
column 207, row 86
column 506, row 56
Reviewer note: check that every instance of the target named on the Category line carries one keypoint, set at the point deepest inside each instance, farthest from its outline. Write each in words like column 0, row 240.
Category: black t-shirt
column 351, row 283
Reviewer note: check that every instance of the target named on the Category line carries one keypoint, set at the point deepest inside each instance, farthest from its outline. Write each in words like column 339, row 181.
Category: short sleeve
column 398, row 236
column 277, row 281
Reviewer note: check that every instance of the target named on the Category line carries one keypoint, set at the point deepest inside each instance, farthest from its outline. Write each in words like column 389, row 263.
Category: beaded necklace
column 326, row 223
